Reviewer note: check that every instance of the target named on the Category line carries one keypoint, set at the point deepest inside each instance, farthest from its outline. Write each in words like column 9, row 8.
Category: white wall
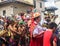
column 3, row 0
column 57, row 12
column 0, row 0
column 58, row 6
column 13, row 9
column 30, row 1
column 8, row 8
column 20, row 8
column 27, row 1
column 38, row 5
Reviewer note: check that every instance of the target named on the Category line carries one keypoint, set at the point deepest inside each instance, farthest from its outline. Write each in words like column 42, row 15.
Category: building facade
column 57, row 12
column 57, row 3
column 8, row 8
column 39, row 5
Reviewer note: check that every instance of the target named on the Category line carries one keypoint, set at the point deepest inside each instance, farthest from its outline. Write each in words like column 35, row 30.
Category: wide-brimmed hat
column 36, row 15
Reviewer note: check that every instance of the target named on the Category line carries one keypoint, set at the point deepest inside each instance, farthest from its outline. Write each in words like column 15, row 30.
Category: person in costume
column 36, row 31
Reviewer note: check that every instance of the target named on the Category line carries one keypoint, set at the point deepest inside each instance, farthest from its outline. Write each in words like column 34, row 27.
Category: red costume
column 35, row 41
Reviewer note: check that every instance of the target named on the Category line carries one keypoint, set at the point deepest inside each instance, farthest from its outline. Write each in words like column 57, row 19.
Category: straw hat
column 36, row 15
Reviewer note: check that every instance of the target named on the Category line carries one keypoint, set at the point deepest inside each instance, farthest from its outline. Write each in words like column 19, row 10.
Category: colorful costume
column 36, row 29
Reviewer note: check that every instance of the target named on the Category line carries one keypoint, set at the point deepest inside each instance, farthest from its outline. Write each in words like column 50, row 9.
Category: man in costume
column 36, row 31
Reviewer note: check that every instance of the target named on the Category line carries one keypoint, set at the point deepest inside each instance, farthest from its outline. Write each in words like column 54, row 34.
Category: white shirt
column 37, row 30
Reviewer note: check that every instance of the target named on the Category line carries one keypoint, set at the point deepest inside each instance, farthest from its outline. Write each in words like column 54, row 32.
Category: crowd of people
column 26, row 30
column 14, row 31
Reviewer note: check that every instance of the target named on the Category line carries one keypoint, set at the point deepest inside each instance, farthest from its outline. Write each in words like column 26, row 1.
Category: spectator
column 49, row 38
column 1, row 23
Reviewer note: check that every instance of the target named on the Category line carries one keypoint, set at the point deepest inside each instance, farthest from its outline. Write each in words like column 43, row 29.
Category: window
column 34, row 3
column 4, row 12
column 40, row 4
